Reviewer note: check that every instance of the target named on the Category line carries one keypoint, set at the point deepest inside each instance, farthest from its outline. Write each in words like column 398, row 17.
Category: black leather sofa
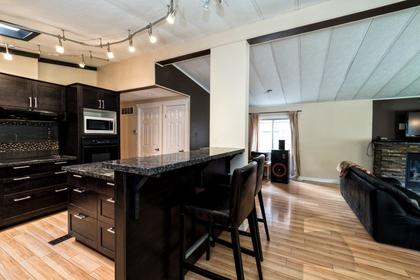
column 388, row 211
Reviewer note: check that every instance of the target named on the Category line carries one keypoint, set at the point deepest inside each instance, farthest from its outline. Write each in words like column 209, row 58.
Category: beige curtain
column 253, row 132
column 295, row 156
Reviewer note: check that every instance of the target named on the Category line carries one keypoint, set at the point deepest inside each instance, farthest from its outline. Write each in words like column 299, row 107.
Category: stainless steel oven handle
column 22, row 198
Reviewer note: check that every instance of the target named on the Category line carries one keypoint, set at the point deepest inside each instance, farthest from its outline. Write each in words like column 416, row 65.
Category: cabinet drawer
column 106, row 208
column 83, row 227
column 30, row 182
column 76, row 180
column 27, row 169
column 105, row 187
column 84, row 199
column 15, row 205
column 106, row 239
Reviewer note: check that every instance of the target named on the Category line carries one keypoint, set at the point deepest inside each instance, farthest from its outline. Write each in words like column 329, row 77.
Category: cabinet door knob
column 22, row 198
column 111, row 230
column 79, row 216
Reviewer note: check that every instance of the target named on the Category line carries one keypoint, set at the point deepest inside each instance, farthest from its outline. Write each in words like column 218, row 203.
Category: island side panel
column 147, row 242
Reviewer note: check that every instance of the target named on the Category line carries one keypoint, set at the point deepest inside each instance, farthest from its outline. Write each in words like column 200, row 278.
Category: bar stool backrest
column 243, row 193
column 260, row 160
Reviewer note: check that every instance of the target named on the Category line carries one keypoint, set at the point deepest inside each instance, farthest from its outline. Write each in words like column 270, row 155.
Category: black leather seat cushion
column 211, row 205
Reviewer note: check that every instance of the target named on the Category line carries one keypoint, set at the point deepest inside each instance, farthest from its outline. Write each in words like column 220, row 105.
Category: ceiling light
column 82, row 62
column 59, row 48
column 170, row 18
column 131, row 47
column 9, row 27
column 152, row 38
column 7, row 56
column 109, row 53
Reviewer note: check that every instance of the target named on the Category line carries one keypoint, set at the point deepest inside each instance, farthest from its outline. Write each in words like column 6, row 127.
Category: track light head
column 59, row 48
column 170, row 18
column 7, row 56
column 131, row 47
column 152, row 38
column 206, row 5
column 82, row 62
column 109, row 53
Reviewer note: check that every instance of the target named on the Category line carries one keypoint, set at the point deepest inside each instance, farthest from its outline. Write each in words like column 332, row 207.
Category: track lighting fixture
column 152, row 38
column 170, row 18
column 82, row 62
column 131, row 47
column 59, row 48
column 109, row 53
column 7, row 56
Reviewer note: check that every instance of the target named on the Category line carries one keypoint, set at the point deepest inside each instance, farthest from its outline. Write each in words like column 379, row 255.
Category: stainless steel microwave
column 99, row 122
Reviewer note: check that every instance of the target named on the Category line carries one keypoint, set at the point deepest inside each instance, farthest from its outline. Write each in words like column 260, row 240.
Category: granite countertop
column 154, row 165
column 95, row 170
column 32, row 161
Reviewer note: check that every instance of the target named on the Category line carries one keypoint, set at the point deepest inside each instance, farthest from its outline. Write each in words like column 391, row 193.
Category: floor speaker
column 280, row 166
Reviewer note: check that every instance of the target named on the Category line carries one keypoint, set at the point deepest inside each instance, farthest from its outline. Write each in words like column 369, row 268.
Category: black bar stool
column 260, row 174
column 225, row 208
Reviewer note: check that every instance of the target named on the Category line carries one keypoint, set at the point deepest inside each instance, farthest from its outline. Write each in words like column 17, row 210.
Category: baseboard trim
column 320, row 180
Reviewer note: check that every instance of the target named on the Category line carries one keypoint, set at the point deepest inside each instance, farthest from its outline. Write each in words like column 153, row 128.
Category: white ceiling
column 111, row 19
column 370, row 59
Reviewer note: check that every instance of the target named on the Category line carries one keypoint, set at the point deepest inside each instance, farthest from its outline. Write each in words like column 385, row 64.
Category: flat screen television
column 413, row 124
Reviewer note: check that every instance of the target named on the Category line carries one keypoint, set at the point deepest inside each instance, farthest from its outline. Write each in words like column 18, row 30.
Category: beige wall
column 31, row 68
column 331, row 132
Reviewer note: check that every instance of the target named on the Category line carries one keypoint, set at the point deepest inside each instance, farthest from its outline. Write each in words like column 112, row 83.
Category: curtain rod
column 277, row 112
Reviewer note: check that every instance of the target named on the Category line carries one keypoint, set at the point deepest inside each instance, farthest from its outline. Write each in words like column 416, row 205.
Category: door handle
column 79, row 190
column 61, row 190
column 36, row 102
column 181, row 151
column 22, row 198
column 157, row 149
column 111, row 200
column 22, row 178
column 21, row 167
column 79, row 216
column 30, row 102
column 111, row 230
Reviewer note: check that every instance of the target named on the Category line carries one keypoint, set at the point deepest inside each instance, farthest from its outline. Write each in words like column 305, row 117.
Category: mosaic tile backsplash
column 28, row 139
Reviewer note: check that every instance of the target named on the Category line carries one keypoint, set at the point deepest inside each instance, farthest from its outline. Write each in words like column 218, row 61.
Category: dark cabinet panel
column 106, row 239
column 106, row 208
column 95, row 98
column 48, row 97
column 83, row 227
column 109, row 101
column 91, row 98
column 15, row 92
column 84, row 199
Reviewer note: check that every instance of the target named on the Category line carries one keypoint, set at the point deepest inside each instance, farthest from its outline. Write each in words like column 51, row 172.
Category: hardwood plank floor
column 314, row 235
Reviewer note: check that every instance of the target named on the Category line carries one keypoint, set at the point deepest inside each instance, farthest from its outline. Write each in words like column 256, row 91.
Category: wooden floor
column 314, row 236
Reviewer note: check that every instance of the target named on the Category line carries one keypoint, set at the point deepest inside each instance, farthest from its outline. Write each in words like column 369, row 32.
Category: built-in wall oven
column 99, row 149
column 99, row 122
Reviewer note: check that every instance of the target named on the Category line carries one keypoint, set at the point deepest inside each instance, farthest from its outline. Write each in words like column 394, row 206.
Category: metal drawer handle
column 61, row 190
column 110, row 184
column 79, row 190
column 111, row 200
column 22, row 198
column 111, row 230
column 79, row 216
column 22, row 178
column 21, row 167
column 60, row 162
column 60, row 172
column 77, row 176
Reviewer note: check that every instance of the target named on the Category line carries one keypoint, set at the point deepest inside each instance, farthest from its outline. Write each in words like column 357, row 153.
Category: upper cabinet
column 48, row 97
column 15, row 92
column 101, row 99
column 25, row 94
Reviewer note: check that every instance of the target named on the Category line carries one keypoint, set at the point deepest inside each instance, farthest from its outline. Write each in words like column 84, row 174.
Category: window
column 271, row 130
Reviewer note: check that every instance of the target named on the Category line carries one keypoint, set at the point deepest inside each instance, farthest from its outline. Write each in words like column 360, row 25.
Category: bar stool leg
column 257, row 233
column 253, row 224
column 182, row 246
column 209, row 226
column 264, row 218
column 236, row 246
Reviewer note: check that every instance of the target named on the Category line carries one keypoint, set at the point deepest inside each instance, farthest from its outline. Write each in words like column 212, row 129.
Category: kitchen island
column 148, row 194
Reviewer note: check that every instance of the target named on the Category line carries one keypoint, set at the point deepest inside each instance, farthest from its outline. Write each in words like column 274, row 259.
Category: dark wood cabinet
column 26, row 94
column 101, row 99
column 91, row 218
column 15, row 92
column 30, row 191
column 48, row 97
